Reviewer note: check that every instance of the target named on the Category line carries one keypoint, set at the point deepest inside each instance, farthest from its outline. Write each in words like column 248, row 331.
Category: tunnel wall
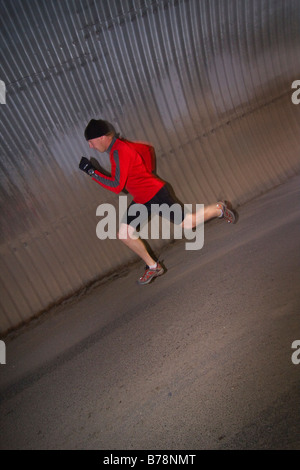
column 208, row 83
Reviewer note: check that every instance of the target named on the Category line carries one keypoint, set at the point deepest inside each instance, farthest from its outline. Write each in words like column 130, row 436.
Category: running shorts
column 163, row 204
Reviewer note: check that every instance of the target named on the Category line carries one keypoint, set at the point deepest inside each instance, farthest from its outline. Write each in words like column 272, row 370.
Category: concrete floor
column 200, row 359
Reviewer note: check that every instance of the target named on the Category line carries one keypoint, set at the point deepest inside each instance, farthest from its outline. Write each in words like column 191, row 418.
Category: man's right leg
column 127, row 235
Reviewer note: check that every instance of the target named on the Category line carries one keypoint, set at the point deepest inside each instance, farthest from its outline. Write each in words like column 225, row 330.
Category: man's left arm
column 119, row 172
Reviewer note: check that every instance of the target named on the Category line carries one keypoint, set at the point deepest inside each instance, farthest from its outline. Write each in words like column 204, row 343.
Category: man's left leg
column 204, row 214
column 220, row 209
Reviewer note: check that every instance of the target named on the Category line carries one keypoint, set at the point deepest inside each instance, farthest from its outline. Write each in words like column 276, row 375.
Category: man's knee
column 189, row 221
column 125, row 233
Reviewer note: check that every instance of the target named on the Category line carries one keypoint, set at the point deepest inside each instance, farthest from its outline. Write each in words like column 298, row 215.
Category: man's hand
column 86, row 166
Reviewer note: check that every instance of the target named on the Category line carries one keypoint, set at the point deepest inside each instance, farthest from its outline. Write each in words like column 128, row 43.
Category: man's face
column 100, row 143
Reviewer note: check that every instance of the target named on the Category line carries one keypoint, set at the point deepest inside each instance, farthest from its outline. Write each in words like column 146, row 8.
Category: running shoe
column 150, row 274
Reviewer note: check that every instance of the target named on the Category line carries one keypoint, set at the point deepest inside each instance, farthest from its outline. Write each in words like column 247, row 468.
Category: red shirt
column 132, row 164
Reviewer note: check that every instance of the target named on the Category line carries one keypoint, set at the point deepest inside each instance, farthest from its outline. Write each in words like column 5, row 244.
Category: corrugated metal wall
column 208, row 83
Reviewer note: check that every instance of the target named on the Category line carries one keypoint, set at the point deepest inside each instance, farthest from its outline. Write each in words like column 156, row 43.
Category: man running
column 132, row 167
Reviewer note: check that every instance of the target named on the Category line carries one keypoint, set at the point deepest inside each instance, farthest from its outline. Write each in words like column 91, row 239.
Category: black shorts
column 175, row 213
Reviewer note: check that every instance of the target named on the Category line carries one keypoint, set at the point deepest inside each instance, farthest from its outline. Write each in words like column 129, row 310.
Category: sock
column 154, row 266
column 222, row 212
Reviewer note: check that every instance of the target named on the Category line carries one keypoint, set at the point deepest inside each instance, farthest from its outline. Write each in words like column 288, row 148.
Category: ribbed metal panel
column 208, row 83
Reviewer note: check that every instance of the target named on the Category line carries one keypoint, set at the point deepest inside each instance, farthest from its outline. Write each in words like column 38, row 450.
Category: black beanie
column 97, row 128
